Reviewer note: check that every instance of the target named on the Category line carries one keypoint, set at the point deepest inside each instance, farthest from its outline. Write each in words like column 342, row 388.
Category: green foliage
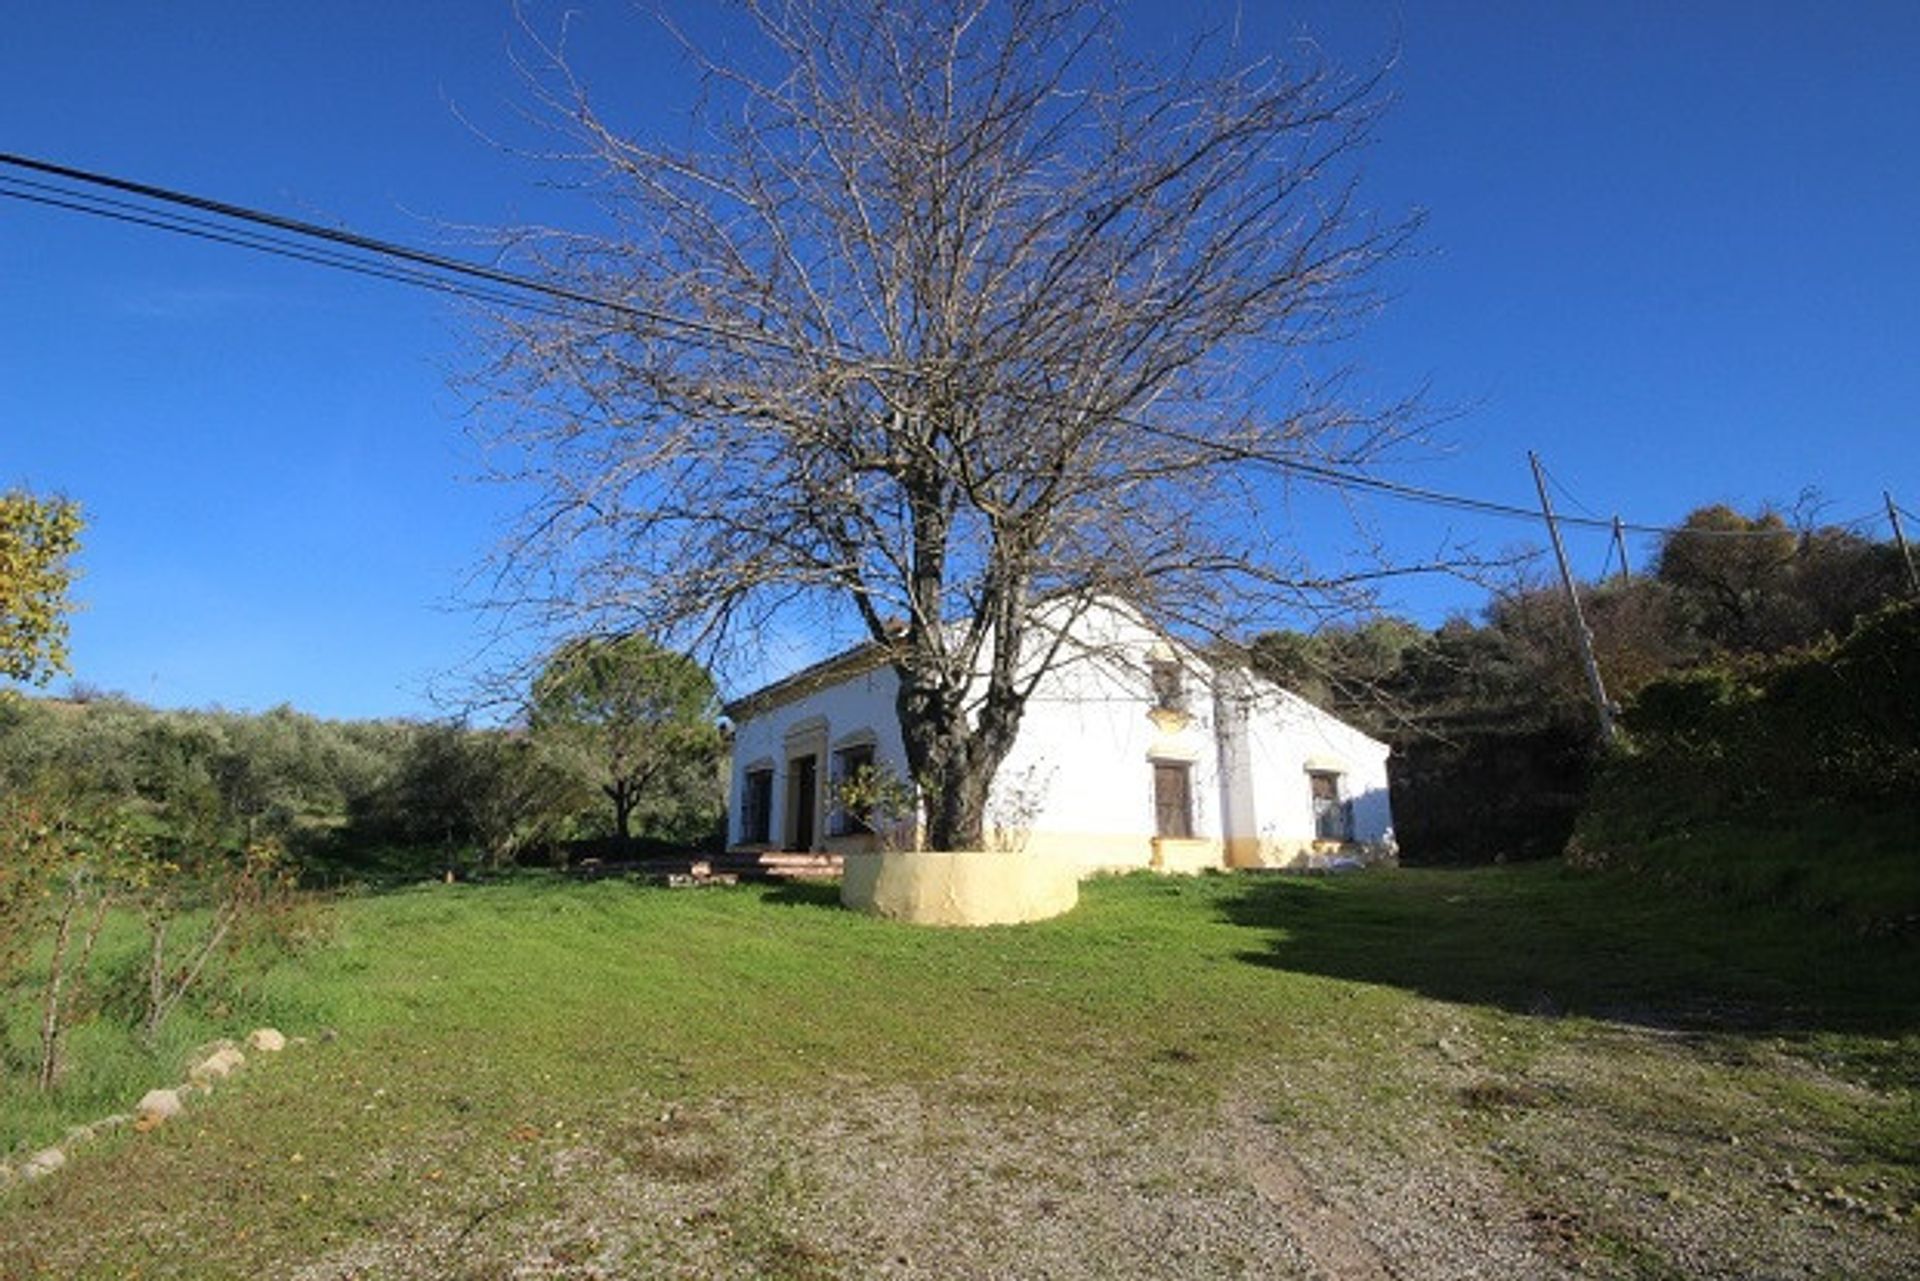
column 238, row 891
column 1492, row 727
column 1491, row 739
column 67, row 860
column 1832, row 729
column 37, row 535
column 1753, row 585
column 885, row 803
column 638, row 721
column 368, row 798
column 455, row 792
column 54, row 847
column 1351, row 668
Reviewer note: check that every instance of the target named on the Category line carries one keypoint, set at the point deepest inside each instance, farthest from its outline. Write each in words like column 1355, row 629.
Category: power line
column 1438, row 498
column 389, row 249
column 200, row 229
column 1566, row 493
column 344, row 249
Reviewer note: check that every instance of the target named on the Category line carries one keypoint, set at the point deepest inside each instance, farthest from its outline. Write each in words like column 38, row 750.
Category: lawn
column 1501, row 1072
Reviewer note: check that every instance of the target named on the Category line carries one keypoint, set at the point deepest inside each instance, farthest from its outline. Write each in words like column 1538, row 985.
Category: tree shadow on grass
column 804, row 894
column 1547, row 940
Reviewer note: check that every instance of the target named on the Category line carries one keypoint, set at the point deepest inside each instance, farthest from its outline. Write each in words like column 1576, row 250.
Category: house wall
column 860, row 708
column 1079, row 782
column 1272, row 741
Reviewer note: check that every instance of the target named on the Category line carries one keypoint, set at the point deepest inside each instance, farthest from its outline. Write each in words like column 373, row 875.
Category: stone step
column 766, row 865
column 778, row 864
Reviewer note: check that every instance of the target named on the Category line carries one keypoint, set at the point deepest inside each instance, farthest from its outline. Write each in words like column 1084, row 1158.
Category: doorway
column 803, row 777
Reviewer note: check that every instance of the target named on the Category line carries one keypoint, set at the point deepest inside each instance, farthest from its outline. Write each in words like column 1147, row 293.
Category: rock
column 94, row 1129
column 218, row 1066
column 156, row 1107
column 43, row 1163
column 267, row 1040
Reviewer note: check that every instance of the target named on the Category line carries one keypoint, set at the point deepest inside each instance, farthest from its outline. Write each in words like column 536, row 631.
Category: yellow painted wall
column 1253, row 852
column 969, row 887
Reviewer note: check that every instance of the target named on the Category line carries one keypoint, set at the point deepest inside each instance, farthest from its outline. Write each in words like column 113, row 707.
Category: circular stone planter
column 961, row 887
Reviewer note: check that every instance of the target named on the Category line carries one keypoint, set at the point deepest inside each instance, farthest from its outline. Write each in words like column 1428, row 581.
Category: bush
column 1834, row 727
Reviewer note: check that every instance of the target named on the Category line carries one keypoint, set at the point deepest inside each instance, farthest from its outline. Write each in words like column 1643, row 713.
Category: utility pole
column 1602, row 709
column 1620, row 545
column 1900, row 537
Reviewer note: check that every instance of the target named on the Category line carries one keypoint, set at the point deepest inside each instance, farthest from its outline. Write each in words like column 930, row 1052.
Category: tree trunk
column 957, row 812
column 952, row 762
column 622, row 798
column 156, row 977
column 56, row 978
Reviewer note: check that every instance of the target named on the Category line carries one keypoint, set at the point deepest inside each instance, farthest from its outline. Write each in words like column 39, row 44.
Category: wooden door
column 1172, row 799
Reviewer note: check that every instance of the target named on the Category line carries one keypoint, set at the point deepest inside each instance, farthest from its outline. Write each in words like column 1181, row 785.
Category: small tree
column 636, row 718
column 64, row 861
column 37, row 535
column 883, row 804
column 232, row 888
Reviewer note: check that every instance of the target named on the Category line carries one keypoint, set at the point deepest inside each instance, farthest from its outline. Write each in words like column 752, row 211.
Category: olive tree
column 946, row 309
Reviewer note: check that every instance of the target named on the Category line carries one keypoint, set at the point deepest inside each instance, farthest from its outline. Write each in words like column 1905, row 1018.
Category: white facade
column 1133, row 752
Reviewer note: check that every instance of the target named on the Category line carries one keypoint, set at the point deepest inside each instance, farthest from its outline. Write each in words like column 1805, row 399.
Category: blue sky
column 1671, row 247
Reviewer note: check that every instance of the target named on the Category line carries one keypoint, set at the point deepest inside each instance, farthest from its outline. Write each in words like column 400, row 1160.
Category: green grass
column 1856, row 869
column 451, row 1023
column 106, row 1066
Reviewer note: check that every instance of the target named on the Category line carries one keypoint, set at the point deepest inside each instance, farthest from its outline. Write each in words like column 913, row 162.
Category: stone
column 43, row 1163
column 267, row 1040
column 156, row 1107
column 218, row 1066
column 94, row 1129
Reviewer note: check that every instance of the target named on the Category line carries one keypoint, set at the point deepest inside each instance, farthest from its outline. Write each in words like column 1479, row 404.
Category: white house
column 1134, row 752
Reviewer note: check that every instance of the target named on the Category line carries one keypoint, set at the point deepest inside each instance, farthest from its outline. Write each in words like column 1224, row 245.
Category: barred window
column 756, row 808
column 1332, row 813
column 1169, row 685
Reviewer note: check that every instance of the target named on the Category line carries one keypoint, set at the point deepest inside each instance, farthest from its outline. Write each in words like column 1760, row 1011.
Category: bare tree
column 950, row 307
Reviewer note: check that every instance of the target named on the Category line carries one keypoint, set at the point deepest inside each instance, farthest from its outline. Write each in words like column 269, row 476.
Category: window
column 1172, row 799
column 1332, row 814
column 756, row 808
column 847, row 764
column 1169, row 687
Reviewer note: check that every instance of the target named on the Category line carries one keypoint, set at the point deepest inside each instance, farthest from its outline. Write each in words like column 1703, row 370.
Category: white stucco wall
column 854, row 708
column 1273, row 742
column 1079, row 781
column 1080, row 777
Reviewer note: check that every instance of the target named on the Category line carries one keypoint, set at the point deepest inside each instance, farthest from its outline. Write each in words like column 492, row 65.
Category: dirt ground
column 976, row 1178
